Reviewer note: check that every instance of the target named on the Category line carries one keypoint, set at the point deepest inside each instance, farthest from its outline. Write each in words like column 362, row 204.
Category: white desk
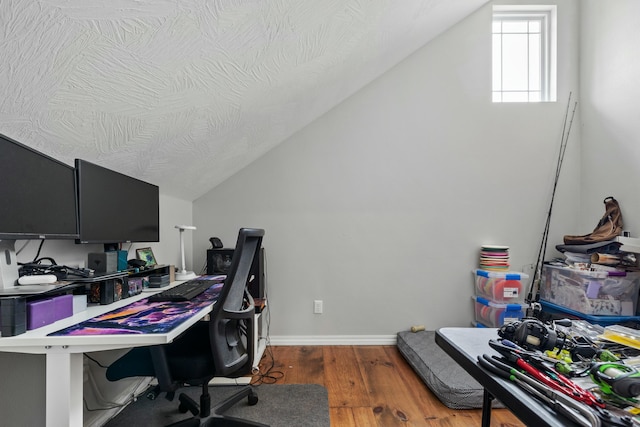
column 64, row 360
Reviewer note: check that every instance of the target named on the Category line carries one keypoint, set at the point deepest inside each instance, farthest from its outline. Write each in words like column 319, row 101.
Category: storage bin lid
column 507, row 275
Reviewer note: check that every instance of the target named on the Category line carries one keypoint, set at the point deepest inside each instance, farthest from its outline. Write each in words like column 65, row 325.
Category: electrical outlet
column 317, row 306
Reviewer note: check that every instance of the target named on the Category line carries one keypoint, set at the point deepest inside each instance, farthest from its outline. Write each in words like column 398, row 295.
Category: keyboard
column 183, row 292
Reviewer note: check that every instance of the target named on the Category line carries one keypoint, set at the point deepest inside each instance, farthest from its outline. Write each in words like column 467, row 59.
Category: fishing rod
column 537, row 273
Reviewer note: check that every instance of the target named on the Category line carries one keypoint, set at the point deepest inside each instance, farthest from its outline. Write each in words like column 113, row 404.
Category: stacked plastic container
column 600, row 297
column 499, row 297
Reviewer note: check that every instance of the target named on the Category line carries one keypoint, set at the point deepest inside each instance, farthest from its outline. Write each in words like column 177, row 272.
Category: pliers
column 549, row 377
column 561, row 403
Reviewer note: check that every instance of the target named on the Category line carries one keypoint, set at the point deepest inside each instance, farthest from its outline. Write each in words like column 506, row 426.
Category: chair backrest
column 231, row 324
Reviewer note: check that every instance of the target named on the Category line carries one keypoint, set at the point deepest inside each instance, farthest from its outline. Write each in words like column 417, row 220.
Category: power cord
column 35, row 258
column 115, row 405
column 60, row 271
column 36, row 267
column 269, row 375
column 95, row 361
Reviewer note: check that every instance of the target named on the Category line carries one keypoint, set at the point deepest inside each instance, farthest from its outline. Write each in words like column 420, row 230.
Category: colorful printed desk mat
column 144, row 317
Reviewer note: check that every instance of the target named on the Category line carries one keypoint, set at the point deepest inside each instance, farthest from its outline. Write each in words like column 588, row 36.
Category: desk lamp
column 184, row 274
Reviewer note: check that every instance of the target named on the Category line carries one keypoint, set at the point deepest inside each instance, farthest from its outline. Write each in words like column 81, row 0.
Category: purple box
column 39, row 313
column 62, row 307
column 46, row 311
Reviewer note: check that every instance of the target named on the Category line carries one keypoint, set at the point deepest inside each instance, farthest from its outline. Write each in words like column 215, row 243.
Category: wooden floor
column 370, row 386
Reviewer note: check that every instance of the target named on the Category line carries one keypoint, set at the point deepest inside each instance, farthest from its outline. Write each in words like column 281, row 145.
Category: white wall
column 380, row 206
column 609, row 67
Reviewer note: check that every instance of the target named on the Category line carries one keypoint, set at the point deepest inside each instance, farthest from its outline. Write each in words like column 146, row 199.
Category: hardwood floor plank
column 352, row 417
column 299, row 364
column 363, row 416
column 419, row 392
column 373, row 386
column 342, row 416
column 343, row 376
column 394, row 401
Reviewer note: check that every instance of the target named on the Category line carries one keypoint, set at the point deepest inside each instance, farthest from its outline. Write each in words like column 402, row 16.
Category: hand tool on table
column 562, row 404
column 575, row 410
column 545, row 375
column 560, row 365
column 616, row 378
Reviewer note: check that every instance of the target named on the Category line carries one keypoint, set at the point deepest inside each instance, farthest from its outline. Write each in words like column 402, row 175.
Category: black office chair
column 221, row 346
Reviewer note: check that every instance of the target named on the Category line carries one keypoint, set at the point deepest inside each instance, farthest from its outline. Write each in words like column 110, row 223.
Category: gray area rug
column 279, row 405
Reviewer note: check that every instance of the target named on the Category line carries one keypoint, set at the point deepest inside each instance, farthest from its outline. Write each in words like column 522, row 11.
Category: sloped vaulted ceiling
column 184, row 93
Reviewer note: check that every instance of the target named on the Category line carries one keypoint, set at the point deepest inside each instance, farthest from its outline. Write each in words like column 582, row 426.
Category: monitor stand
column 8, row 264
column 108, row 247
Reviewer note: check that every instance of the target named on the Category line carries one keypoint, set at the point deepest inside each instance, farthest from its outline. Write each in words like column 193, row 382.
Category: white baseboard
column 333, row 340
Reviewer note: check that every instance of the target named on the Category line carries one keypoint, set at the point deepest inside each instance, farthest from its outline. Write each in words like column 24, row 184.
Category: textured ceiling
column 184, row 93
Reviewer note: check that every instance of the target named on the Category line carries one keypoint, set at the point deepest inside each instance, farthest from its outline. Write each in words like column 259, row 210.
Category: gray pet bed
column 444, row 377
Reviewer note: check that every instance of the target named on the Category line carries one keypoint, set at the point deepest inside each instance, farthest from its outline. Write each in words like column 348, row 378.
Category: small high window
column 524, row 53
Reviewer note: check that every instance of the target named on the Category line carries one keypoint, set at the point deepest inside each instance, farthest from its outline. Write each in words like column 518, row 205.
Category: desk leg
column 486, row 408
column 64, row 389
column 259, row 342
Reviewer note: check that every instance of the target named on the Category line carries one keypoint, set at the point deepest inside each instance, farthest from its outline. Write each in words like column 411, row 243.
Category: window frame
column 546, row 15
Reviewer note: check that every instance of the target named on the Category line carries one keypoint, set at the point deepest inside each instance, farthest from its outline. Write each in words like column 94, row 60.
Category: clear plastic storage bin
column 602, row 293
column 494, row 315
column 502, row 287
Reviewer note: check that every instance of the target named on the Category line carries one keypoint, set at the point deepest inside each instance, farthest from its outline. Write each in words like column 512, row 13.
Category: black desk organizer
column 107, row 288
column 13, row 316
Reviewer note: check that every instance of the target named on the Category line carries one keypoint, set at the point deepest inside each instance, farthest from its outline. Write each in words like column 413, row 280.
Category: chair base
column 217, row 417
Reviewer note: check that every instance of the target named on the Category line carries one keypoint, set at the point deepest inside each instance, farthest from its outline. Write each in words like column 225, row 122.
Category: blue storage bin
column 478, row 325
column 552, row 308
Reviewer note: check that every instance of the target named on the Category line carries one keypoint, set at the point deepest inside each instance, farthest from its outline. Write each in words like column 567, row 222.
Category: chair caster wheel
column 253, row 399
column 187, row 404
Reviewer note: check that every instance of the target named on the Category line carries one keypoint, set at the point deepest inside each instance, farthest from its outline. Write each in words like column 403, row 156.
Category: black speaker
column 219, row 262
column 103, row 262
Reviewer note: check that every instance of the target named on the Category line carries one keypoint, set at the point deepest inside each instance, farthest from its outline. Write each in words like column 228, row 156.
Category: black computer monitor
column 114, row 208
column 37, row 201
